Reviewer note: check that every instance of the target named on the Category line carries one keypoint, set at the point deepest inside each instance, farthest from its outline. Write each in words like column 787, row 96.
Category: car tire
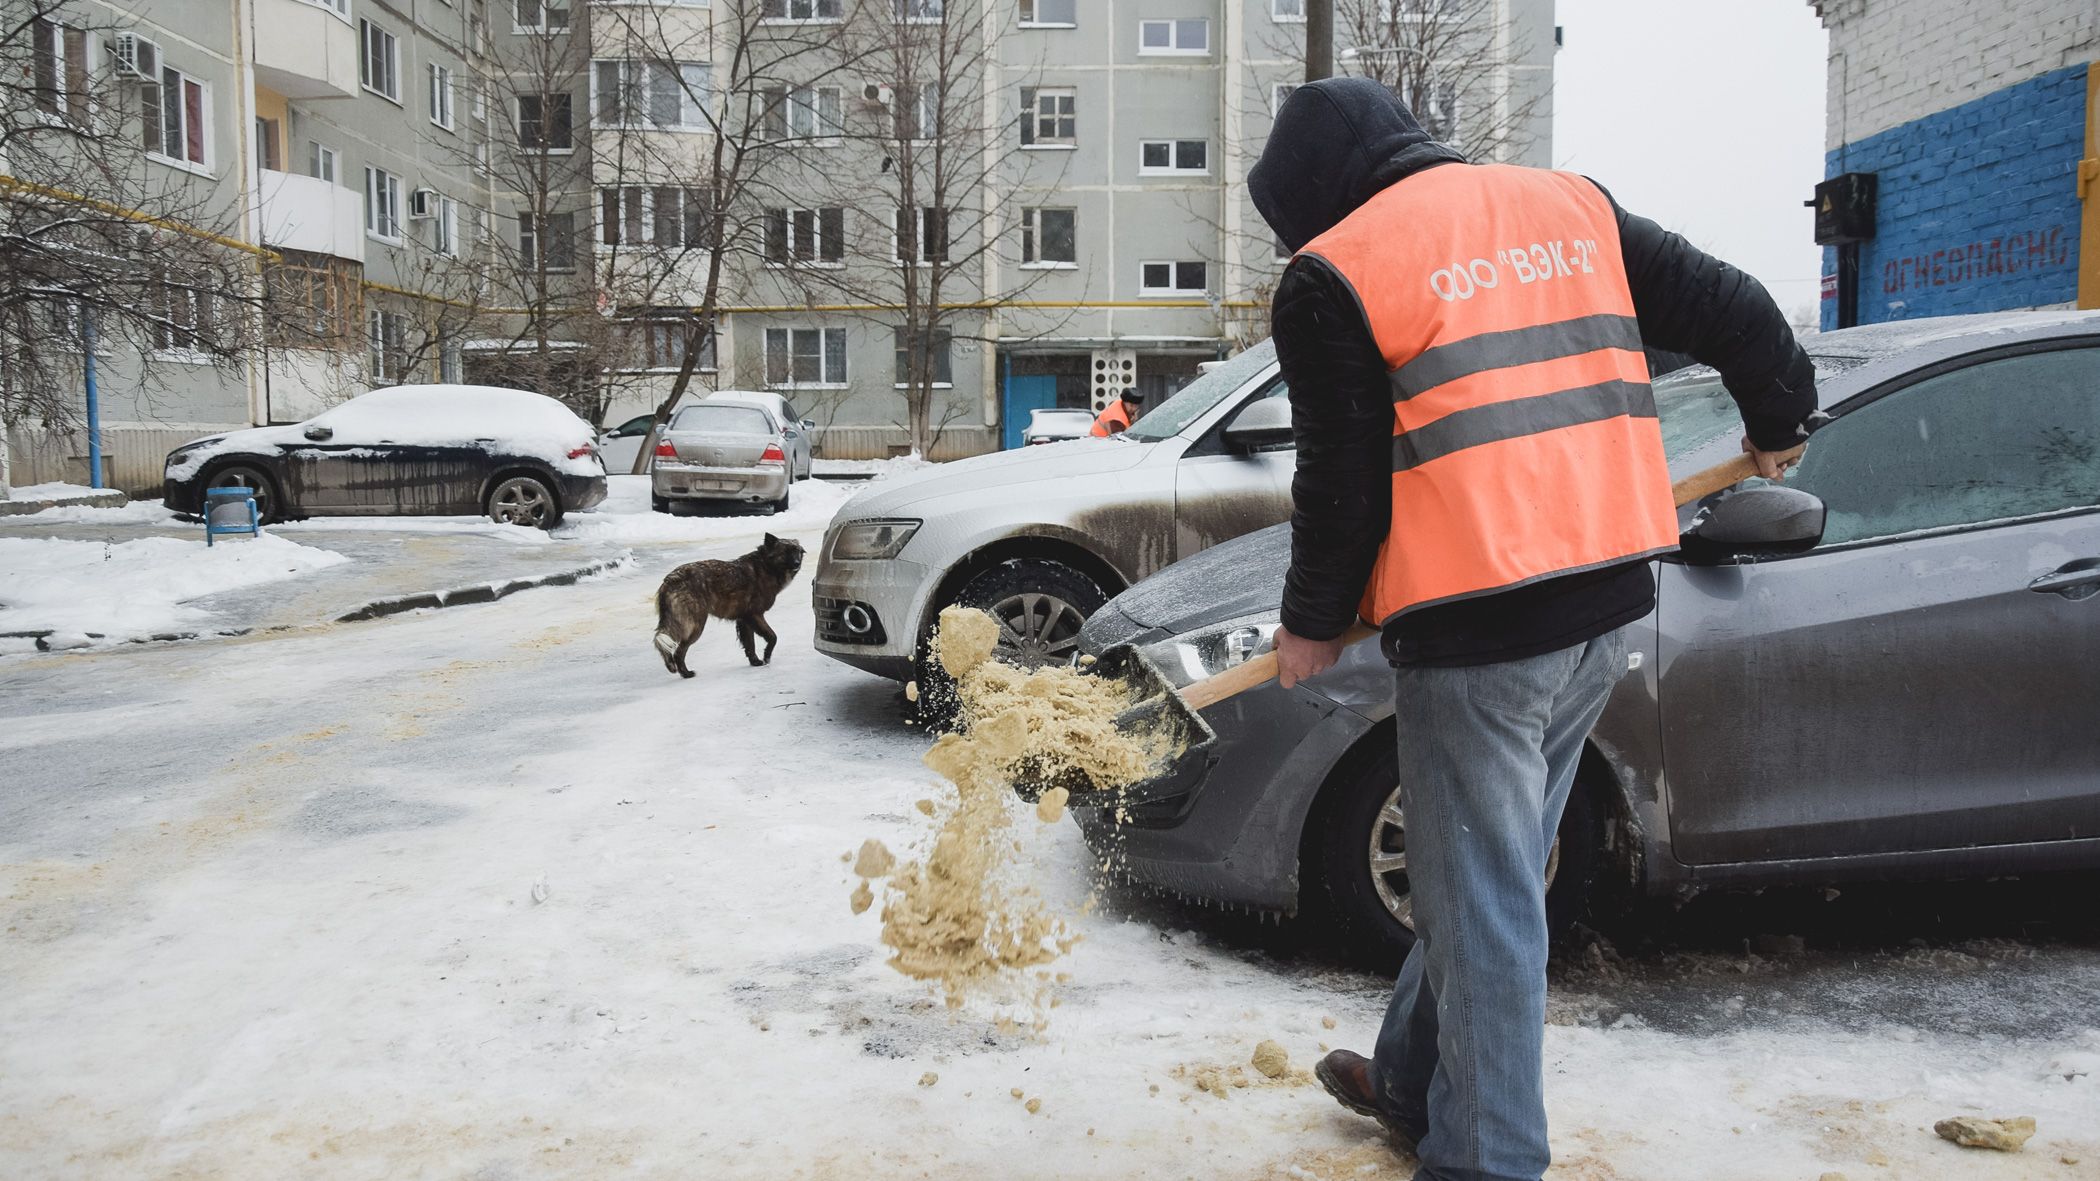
column 524, row 500
column 1366, row 921
column 781, row 505
column 269, row 505
column 660, row 504
column 1055, row 596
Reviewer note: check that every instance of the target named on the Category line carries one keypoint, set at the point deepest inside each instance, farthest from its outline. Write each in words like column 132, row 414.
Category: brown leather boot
column 1347, row 1076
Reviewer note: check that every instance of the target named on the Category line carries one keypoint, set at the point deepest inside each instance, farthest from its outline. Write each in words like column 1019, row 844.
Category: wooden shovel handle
column 1721, row 475
column 1262, row 669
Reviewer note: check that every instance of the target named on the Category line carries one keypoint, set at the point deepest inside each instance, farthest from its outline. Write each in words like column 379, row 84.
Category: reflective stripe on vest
column 1525, row 441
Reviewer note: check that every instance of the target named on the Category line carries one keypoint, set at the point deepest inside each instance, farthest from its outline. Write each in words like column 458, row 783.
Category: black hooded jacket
column 1336, row 144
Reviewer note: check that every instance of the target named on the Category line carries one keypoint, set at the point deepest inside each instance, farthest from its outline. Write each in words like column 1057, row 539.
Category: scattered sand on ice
column 1272, row 1060
column 1271, row 1068
column 957, row 917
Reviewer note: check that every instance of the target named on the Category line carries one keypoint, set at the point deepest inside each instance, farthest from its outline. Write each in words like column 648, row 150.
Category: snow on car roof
column 438, row 415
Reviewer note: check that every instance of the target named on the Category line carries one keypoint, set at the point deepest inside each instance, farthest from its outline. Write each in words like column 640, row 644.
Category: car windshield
column 1696, row 410
column 723, row 420
column 1172, row 416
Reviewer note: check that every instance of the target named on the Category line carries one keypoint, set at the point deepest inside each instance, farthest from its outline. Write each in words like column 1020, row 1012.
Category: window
column 266, row 140
column 1049, row 117
column 310, row 300
column 182, row 316
column 939, row 344
column 386, row 347
column 919, row 117
column 444, row 230
column 660, row 344
column 539, row 16
column 441, row 95
column 630, row 93
column 1287, row 10
column 543, row 122
column 177, row 119
column 916, row 11
column 803, row 112
column 1280, row 95
column 1049, row 237
column 339, row 7
column 1054, row 13
column 1173, row 278
column 379, row 65
column 921, row 238
column 802, row 10
column 1168, row 156
column 550, row 240
column 60, row 77
column 805, row 235
column 1174, row 37
column 656, row 215
column 322, row 161
column 805, row 357
column 382, row 205
column 2014, row 437
column 1437, row 107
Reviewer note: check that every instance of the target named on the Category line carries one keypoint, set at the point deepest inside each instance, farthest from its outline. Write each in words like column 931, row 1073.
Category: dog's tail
column 665, row 643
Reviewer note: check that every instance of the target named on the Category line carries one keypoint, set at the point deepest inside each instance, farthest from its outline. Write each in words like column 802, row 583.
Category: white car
column 618, row 446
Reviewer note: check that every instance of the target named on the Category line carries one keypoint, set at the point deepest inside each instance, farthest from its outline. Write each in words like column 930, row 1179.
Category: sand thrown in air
column 956, row 916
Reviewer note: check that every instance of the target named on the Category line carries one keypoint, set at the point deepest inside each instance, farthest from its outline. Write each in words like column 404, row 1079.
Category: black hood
column 1336, row 143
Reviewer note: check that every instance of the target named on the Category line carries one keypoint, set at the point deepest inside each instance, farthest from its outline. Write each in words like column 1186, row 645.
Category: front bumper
column 885, row 596
column 672, row 480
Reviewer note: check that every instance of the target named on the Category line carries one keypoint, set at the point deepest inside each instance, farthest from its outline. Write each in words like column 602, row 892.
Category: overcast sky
column 1706, row 115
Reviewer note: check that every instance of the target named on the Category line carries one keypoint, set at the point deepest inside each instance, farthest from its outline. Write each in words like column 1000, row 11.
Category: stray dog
column 742, row 590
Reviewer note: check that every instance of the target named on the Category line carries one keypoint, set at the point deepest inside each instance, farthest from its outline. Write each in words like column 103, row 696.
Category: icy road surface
column 486, row 893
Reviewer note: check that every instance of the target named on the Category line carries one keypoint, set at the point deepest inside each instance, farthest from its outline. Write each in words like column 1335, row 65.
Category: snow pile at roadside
column 55, row 490
column 479, row 526
column 880, row 469
column 133, row 589
column 811, row 506
column 138, row 512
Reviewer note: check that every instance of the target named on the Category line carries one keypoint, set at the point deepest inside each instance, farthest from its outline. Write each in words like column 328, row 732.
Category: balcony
column 307, row 213
column 304, row 50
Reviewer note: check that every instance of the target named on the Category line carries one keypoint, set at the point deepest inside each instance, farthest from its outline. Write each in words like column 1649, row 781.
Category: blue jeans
column 1487, row 755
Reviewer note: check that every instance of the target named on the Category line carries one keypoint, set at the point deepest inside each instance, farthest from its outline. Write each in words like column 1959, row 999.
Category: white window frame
column 323, row 162
column 816, row 235
column 901, row 12
column 1032, row 118
column 1175, row 27
column 371, row 35
column 1174, row 289
column 50, row 25
column 1030, row 12
column 1281, row 12
column 807, row 103
column 923, row 111
column 170, row 323
column 1032, row 239
column 1175, row 166
column 826, row 379
column 646, row 212
column 441, row 113
column 942, row 336
column 813, row 7
column 655, row 328
column 634, row 78
column 207, row 142
column 533, row 258
column 444, row 231
column 542, row 8
column 382, row 206
column 518, row 110
column 377, row 347
column 924, row 217
column 341, row 8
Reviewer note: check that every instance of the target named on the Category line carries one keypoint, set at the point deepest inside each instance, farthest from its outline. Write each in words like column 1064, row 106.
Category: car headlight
column 1207, row 653
column 872, row 541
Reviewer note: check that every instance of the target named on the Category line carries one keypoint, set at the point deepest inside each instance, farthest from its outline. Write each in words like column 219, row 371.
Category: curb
column 487, row 592
column 110, row 498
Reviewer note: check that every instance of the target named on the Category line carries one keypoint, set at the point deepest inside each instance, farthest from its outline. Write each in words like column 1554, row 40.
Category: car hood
column 1231, row 580
column 186, row 460
column 1005, row 473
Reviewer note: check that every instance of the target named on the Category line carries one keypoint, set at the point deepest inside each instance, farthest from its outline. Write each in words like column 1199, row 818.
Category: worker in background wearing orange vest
column 1480, row 473
column 1120, row 414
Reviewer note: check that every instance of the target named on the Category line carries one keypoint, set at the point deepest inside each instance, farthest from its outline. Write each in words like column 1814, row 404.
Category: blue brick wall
column 1979, row 205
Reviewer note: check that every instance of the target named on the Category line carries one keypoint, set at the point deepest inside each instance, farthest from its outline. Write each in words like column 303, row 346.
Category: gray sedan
column 1913, row 692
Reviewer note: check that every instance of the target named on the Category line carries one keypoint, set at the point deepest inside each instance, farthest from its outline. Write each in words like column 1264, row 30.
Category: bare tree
column 1450, row 61
column 94, row 241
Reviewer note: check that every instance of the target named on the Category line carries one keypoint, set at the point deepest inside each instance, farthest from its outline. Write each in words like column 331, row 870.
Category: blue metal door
column 1024, row 394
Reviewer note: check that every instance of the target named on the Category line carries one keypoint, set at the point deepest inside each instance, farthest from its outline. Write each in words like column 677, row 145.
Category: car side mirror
column 1756, row 522
column 319, row 433
column 809, row 424
column 1261, row 425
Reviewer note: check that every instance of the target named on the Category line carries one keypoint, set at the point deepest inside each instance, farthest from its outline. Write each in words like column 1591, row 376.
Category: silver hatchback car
column 1043, row 536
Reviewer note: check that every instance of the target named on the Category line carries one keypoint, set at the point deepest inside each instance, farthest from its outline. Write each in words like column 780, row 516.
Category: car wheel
column 1040, row 606
column 781, row 505
column 1361, row 844
column 659, row 504
column 524, row 500
column 258, row 484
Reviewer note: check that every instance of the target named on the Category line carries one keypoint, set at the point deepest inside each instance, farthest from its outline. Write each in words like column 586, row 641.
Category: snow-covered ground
column 55, row 490
column 121, row 590
column 485, row 893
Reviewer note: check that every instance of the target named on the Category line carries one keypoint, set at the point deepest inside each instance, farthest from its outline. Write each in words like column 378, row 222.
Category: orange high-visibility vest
column 1525, row 442
column 1113, row 420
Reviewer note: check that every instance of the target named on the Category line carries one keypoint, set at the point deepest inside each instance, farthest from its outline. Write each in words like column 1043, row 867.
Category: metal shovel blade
column 1157, row 708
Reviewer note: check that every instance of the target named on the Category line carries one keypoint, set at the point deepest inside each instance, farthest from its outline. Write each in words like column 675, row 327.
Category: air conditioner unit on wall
column 877, row 94
column 422, row 203
column 137, row 57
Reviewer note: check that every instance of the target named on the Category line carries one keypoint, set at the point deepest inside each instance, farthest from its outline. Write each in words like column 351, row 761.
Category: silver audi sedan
column 1043, row 536
column 1906, row 686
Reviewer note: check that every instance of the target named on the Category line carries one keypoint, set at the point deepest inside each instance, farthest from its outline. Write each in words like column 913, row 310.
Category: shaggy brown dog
column 742, row 590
